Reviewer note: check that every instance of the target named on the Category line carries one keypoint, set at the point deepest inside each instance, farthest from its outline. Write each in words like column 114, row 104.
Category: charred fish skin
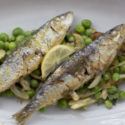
column 82, row 66
column 27, row 58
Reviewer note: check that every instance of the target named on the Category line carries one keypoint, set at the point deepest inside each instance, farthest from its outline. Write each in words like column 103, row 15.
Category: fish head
column 118, row 33
column 62, row 23
column 53, row 32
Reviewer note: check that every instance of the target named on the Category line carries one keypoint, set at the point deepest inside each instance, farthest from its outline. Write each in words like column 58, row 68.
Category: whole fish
column 82, row 66
column 27, row 58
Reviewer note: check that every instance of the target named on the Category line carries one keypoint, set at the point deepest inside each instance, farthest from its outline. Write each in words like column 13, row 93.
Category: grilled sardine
column 27, row 58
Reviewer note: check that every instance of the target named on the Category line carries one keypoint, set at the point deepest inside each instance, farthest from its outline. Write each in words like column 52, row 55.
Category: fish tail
column 22, row 116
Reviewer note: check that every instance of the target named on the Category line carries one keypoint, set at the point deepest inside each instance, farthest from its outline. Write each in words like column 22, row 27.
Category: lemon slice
column 54, row 57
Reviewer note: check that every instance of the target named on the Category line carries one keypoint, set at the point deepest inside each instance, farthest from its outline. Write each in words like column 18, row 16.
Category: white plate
column 30, row 14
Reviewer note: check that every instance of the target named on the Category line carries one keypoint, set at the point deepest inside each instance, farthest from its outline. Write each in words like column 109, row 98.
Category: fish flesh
column 81, row 67
column 28, row 57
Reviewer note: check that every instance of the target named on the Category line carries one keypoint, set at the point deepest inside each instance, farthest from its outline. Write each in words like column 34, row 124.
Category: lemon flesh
column 54, row 57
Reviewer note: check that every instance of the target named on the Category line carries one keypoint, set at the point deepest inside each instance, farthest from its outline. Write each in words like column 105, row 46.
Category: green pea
column 63, row 103
column 37, row 72
column 42, row 109
column 12, row 38
column 88, row 41
column 12, row 45
column 122, row 69
column 113, row 97
column 112, row 90
column 89, row 32
column 34, row 83
column 4, row 37
column 18, row 31
column 108, row 104
column 20, row 38
column 122, row 58
column 8, row 52
column 115, row 76
column 70, row 38
column 31, row 93
column 122, row 95
column 28, row 33
column 28, row 78
column 7, row 93
column 97, row 95
column 86, row 23
column 6, row 44
column 117, row 69
column 2, row 45
column 106, row 76
column 116, row 61
column 84, row 37
column 79, row 29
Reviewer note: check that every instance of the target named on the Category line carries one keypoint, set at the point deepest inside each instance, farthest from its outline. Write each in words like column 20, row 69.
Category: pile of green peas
column 34, row 83
column 84, row 28
column 9, row 43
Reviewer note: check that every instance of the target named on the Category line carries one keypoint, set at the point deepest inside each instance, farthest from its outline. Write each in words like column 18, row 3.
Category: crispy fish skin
column 27, row 58
column 82, row 66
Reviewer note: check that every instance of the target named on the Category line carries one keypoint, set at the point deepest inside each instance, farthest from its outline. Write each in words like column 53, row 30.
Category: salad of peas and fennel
column 102, row 90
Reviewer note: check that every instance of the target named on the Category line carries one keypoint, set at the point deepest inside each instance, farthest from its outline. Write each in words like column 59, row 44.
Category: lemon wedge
column 54, row 57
